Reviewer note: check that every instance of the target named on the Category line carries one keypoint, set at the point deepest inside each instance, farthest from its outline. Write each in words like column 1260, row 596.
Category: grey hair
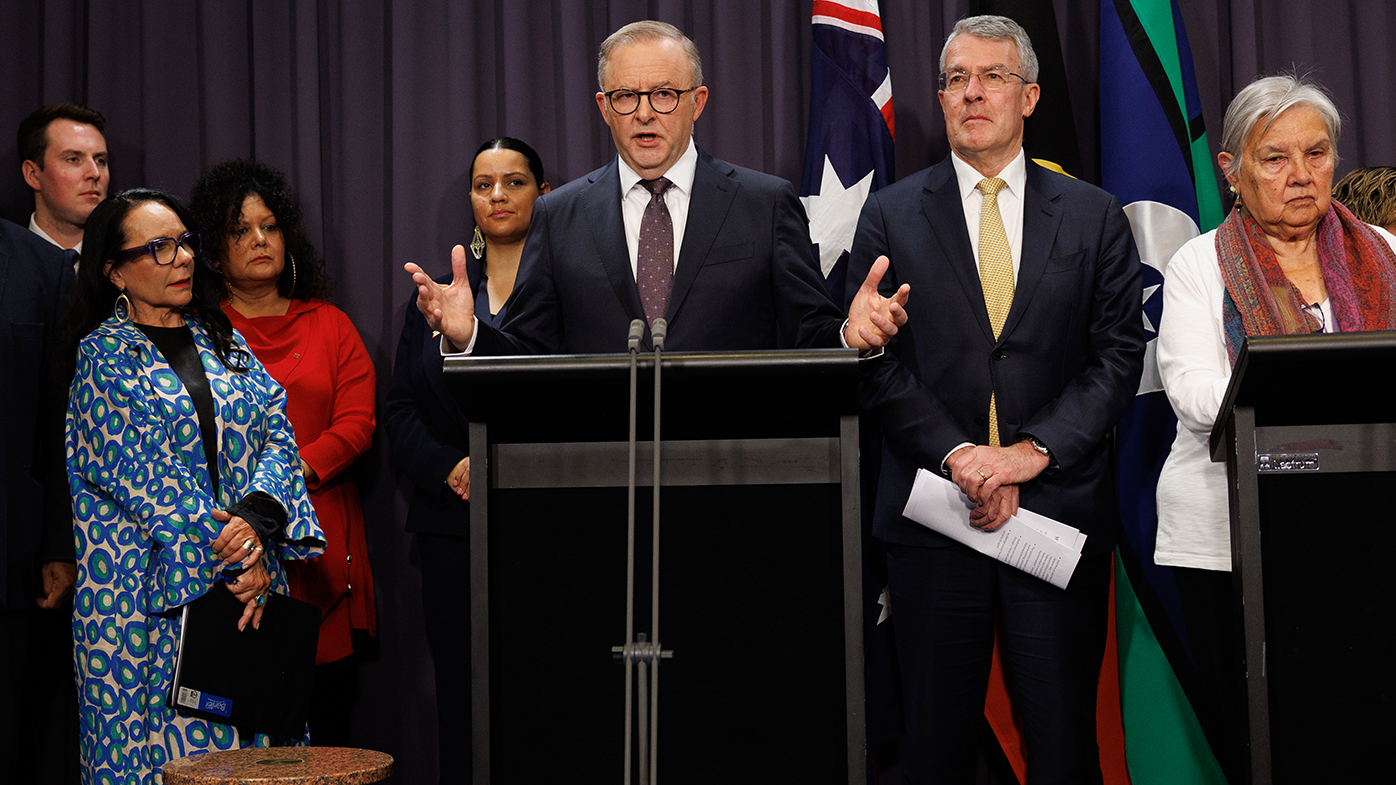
column 1264, row 100
column 996, row 28
column 648, row 30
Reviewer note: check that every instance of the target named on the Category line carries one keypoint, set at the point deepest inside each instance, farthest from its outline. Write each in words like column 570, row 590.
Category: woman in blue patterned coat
column 185, row 480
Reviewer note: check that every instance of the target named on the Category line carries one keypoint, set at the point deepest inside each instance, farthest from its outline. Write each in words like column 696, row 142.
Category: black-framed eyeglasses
column 664, row 100
column 163, row 250
column 992, row 79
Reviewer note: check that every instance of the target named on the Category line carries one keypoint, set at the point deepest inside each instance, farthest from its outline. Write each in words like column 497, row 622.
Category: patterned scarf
column 1359, row 271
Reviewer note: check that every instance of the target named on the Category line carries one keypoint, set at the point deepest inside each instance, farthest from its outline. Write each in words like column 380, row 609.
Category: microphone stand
column 658, row 332
column 637, row 330
column 639, row 650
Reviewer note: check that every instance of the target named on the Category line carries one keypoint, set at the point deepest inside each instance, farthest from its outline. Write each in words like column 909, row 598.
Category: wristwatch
column 1040, row 447
column 1052, row 465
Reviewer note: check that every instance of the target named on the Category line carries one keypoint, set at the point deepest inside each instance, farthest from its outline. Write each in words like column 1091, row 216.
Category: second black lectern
column 1308, row 432
column 760, row 555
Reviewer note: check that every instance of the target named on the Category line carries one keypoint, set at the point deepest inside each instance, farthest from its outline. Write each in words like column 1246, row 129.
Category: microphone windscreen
column 658, row 331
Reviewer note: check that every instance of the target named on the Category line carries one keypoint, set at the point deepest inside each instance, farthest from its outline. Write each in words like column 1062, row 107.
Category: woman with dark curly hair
column 1370, row 192
column 185, row 480
column 272, row 290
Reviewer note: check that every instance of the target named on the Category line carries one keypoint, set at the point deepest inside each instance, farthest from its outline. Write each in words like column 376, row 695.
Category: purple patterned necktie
column 654, row 265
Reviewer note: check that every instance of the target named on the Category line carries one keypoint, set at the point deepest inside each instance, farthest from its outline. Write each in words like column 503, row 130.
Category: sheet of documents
column 1033, row 543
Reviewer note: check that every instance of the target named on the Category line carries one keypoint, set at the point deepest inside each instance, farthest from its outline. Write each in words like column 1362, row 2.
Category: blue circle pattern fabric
column 143, row 526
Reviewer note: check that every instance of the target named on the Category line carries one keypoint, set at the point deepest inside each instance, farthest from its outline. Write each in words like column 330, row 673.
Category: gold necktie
column 995, row 274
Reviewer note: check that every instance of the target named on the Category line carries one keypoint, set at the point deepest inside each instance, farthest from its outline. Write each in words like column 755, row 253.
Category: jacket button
column 998, row 355
column 980, row 419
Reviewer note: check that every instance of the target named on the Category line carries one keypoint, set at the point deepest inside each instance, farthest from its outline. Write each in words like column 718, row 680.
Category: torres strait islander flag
column 848, row 152
column 1155, row 160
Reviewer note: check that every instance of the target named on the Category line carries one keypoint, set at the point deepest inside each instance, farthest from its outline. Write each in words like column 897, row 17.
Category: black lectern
column 1308, row 432
column 761, row 565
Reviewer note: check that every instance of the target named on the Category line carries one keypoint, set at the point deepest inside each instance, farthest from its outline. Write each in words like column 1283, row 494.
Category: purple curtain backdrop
column 374, row 108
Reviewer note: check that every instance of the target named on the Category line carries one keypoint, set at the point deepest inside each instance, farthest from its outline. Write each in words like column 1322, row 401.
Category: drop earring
column 477, row 243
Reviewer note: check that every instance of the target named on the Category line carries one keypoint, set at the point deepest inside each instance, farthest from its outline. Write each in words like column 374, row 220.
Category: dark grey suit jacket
column 747, row 276
column 36, row 524
column 1064, row 368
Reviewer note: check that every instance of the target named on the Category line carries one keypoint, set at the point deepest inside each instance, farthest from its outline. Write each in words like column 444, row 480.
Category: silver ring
column 258, row 548
column 247, row 544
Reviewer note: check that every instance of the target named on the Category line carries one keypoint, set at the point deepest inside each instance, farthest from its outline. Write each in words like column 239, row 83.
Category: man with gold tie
column 1027, row 349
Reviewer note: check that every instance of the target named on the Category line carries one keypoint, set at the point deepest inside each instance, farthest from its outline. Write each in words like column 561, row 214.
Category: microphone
column 637, row 331
column 658, row 331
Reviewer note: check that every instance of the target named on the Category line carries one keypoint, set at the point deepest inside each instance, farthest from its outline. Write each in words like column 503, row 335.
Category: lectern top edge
column 1320, row 378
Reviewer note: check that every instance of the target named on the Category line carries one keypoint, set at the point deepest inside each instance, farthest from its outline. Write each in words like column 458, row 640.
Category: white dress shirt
column 34, row 227
column 634, row 197
column 1010, row 199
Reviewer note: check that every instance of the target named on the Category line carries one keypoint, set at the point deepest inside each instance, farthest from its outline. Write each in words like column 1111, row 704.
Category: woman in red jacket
column 275, row 287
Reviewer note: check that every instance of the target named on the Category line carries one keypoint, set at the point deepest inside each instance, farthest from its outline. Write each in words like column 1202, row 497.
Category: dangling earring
column 290, row 257
column 123, row 306
column 477, row 243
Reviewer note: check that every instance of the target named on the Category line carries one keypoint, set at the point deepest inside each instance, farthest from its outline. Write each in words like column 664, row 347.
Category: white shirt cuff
column 447, row 351
column 945, row 470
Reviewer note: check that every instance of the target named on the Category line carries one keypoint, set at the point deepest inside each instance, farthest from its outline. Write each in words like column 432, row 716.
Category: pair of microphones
column 658, row 331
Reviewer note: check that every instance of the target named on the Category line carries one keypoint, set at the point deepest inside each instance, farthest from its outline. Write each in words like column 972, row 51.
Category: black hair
column 535, row 164
column 94, row 296
column 216, row 203
column 32, row 138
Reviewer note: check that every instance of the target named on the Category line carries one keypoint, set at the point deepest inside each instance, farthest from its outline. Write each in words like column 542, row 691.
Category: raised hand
column 450, row 310
column 872, row 318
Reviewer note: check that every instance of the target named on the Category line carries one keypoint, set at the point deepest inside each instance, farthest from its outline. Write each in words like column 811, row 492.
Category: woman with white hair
column 1288, row 259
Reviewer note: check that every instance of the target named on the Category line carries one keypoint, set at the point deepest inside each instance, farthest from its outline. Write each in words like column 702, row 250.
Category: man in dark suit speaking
column 1027, row 349
column 722, row 253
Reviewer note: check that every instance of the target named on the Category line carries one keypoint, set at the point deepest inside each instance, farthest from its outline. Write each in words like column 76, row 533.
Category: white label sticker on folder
column 188, row 697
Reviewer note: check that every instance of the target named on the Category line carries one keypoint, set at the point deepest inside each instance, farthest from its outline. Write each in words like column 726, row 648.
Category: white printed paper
column 1042, row 547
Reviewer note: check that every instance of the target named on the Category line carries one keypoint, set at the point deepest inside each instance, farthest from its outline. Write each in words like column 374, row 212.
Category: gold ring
column 981, row 474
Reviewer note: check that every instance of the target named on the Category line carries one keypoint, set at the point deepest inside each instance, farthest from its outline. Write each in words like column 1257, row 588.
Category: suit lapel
column 1041, row 220
column 713, row 191
column 601, row 203
column 945, row 210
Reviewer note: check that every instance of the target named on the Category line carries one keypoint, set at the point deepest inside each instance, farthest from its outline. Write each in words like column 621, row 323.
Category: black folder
column 258, row 679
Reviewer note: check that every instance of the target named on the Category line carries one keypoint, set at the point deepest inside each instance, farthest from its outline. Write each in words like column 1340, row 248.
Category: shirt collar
column 34, row 227
column 1015, row 175
column 681, row 174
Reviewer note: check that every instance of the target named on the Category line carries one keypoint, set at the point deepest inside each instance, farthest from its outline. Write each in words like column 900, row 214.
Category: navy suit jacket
column 1064, row 368
column 427, row 432
column 36, row 523
column 747, row 276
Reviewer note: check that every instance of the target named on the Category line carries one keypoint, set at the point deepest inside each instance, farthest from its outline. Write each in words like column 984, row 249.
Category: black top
column 177, row 345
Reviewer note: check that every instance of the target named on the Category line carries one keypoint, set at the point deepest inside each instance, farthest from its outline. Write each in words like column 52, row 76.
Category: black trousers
column 446, row 607
column 945, row 602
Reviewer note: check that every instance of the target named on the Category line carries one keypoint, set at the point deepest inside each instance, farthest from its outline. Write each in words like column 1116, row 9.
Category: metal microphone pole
column 658, row 332
column 637, row 331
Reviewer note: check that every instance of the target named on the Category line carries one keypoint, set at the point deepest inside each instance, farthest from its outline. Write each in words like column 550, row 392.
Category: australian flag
column 848, row 153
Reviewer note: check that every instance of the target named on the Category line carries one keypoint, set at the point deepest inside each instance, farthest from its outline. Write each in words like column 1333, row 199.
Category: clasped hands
column 990, row 477
column 450, row 309
column 239, row 539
